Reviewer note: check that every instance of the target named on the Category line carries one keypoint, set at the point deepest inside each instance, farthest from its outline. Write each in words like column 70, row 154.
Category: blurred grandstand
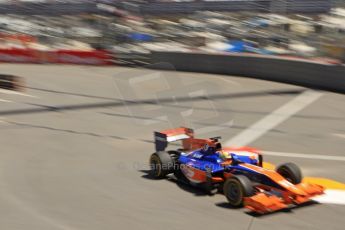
column 131, row 30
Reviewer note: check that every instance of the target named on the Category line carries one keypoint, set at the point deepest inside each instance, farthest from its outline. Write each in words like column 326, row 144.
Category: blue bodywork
column 203, row 160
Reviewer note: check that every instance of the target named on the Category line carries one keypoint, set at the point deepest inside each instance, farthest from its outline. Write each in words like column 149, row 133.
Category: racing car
column 236, row 171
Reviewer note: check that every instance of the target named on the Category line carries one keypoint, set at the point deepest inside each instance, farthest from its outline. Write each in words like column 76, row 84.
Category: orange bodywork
column 181, row 130
column 194, row 174
column 195, row 143
column 267, row 201
column 264, row 202
column 190, row 143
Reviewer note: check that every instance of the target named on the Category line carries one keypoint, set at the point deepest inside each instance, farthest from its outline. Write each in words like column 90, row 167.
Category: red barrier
column 96, row 57
column 18, row 56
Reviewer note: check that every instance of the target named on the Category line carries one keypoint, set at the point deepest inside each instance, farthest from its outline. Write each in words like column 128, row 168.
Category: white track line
column 307, row 156
column 275, row 118
column 5, row 91
column 2, row 121
column 340, row 135
column 3, row 100
column 332, row 196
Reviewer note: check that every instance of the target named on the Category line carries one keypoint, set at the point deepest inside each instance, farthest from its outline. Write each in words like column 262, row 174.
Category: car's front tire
column 236, row 188
column 290, row 172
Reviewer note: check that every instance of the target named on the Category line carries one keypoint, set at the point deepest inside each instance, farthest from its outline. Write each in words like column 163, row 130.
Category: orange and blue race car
column 237, row 172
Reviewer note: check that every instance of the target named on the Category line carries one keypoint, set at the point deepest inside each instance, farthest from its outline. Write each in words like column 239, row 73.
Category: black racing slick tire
column 290, row 172
column 236, row 188
column 161, row 164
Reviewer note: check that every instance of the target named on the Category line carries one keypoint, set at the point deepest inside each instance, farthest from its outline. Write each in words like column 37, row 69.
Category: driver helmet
column 224, row 155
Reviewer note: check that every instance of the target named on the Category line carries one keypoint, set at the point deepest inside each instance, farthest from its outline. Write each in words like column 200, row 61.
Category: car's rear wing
column 170, row 135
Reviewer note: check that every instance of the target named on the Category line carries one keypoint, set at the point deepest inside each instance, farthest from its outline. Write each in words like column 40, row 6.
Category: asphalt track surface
column 75, row 146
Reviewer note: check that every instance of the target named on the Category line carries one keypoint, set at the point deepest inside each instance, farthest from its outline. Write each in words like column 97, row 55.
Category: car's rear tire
column 161, row 164
column 290, row 172
column 236, row 188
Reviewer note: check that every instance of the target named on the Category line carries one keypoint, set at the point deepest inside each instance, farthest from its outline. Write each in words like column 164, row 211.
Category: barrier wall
column 275, row 6
column 95, row 57
column 295, row 71
column 190, row 7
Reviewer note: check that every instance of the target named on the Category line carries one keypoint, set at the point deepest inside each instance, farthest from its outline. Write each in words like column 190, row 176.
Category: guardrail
column 301, row 72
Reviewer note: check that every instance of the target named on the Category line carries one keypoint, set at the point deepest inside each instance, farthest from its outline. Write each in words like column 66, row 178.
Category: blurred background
column 75, row 140
column 126, row 32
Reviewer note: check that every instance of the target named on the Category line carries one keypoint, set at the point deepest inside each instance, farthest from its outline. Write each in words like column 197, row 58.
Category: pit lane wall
column 313, row 74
